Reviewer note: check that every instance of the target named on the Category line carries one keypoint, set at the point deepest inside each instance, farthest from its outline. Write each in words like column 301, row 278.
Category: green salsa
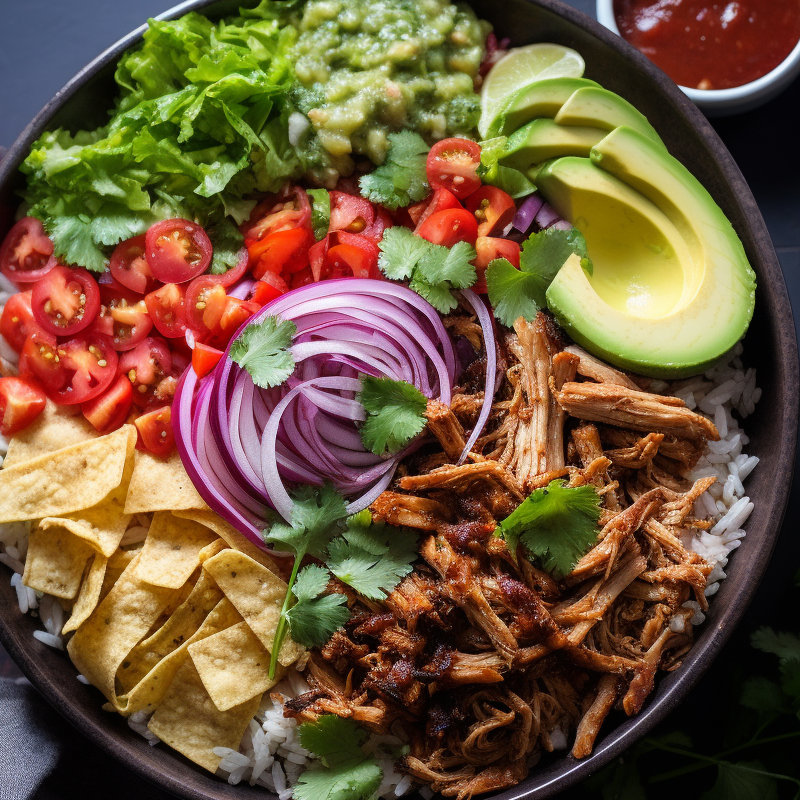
column 365, row 68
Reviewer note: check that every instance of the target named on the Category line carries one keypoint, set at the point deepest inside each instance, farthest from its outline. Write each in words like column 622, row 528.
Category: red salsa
column 707, row 45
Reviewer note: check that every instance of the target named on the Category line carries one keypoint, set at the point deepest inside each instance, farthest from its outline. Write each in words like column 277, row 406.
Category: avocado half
column 672, row 289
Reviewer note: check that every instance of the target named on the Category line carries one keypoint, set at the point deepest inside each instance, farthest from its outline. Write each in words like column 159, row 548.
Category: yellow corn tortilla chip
column 160, row 484
column 71, row 479
column 188, row 721
column 234, row 538
column 115, row 627
column 56, row 562
column 54, row 429
column 150, row 690
column 233, row 665
column 210, row 550
column 171, row 551
column 258, row 596
column 117, row 564
column 89, row 594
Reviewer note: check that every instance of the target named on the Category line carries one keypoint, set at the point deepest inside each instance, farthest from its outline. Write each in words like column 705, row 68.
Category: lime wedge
column 520, row 67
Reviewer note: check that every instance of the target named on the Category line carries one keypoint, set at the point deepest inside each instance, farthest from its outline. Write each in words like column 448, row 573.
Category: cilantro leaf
column 348, row 773
column 262, row 348
column 372, row 559
column 401, row 179
column 556, row 524
column 508, row 179
column 313, row 619
column 395, row 413
column 451, row 264
column 401, row 250
column 543, row 254
column 320, row 212
column 311, row 582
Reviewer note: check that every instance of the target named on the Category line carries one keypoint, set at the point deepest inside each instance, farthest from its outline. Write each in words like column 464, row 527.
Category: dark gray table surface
column 44, row 42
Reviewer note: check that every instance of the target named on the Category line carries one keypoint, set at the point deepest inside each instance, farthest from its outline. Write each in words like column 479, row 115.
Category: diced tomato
column 440, row 200
column 352, row 254
column 204, row 358
column 123, row 315
column 282, row 252
column 129, row 266
column 493, row 209
column 166, row 307
column 149, row 369
column 17, row 321
column 26, row 253
column 109, row 410
column 21, row 401
column 383, row 220
column 65, row 301
column 236, row 313
column 303, row 277
column 177, row 250
column 453, row 164
column 488, row 249
column 155, row 431
column 288, row 209
column 316, row 259
column 73, row 371
column 268, row 288
column 449, row 227
column 350, row 213
column 212, row 314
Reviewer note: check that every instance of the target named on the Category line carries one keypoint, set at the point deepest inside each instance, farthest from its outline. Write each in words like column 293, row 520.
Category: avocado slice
column 537, row 99
column 543, row 139
column 667, row 325
column 593, row 105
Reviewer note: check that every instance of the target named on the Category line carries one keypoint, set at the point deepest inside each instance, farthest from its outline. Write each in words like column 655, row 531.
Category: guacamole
column 364, row 70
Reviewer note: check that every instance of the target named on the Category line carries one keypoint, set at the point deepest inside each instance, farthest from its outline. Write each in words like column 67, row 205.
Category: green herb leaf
column 401, row 179
column 263, row 349
column 348, row 773
column 320, row 212
column 746, row 780
column 401, row 251
column 556, row 524
column 512, row 291
column 395, row 413
column 314, row 619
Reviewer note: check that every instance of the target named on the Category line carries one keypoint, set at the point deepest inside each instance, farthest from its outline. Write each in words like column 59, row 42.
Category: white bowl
column 722, row 102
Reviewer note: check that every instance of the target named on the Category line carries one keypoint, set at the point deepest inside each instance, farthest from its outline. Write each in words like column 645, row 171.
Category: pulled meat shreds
column 479, row 658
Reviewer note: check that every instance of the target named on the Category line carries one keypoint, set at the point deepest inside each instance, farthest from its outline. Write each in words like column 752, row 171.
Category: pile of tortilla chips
column 183, row 623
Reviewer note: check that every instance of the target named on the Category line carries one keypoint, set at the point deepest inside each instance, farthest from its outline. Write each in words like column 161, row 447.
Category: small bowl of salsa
column 728, row 56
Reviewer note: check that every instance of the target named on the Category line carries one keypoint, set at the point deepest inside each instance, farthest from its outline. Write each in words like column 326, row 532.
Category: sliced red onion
column 562, row 225
column 547, row 216
column 527, row 212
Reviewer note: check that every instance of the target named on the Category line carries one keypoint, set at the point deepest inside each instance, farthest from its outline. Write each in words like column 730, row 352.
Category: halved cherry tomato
column 177, row 250
column 21, row 401
column 352, row 254
column 123, row 315
column 155, row 431
column 109, row 410
column 39, row 360
column 488, row 249
column 268, row 288
column 350, row 213
column 453, row 164
column 449, row 227
column 236, row 313
column 281, row 252
column 212, row 314
column 17, row 321
column 288, row 209
column 440, row 200
column 65, row 301
column 166, row 307
column 129, row 266
column 236, row 273
column 26, row 253
column 149, row 369
column 493, row 209
column 204, row 359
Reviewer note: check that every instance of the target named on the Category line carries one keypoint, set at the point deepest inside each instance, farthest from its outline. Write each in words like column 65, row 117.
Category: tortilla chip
column 117, row 564
column 210, row 550
column 56, row 562
column 71, row 479
column 188, row 721
column 150, row 690
column 89, row 594
column 233, row 666
column 257, row 595
column 115, row 627
column 234, row 538
column 161, row 484
column 54, row 429
column 171, row 551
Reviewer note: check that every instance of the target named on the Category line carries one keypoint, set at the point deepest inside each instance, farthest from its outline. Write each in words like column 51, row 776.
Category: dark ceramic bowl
column 773, row 429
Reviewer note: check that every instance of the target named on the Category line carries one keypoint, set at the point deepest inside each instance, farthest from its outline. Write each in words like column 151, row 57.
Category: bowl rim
column 127, row 747
column 765, row 86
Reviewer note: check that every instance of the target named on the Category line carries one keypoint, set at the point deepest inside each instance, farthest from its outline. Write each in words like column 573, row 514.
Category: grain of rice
column 15, row 565
column 278, row 778
column 83, row 679
column 22, row 594
column 49, row 639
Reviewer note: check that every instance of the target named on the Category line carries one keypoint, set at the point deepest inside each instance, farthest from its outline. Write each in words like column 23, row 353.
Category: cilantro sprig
column 315, row 616
column 262, row 348
column 401, row 179
column 521, row 292
column 556, row 524
column 395, row 413
column 432, row 270
column 347, row 773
